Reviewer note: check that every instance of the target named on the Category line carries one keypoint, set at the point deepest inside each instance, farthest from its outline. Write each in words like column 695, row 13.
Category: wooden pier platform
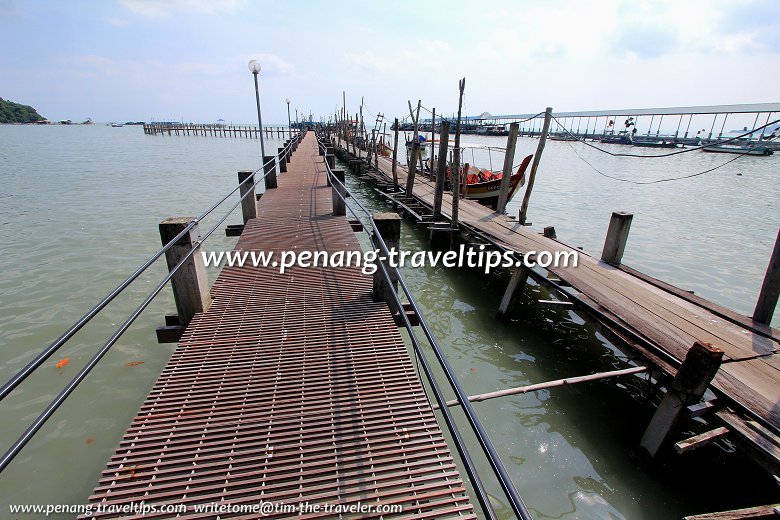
column 291, row 388
column 671, row 318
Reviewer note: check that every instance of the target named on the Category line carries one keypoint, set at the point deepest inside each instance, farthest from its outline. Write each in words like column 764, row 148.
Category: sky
column 143, row 60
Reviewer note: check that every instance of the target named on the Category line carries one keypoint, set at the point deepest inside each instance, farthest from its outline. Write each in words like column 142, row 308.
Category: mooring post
column 339, row 205
column 513, row 290
column 455, row 178
column 331, row 160
column 248, row 202
column 190, row 283
column 549, row 232
column 269, row 169
column 509, row 157
column 388, row 226
column 617, row 236
column 441, row 170
column 412, row 169
column 770, row 289
column 281, row 155
column 395, row 156
column 694, row 376
column 521, row 218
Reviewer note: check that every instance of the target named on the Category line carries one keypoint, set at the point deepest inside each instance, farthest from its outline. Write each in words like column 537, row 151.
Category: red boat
column 484, row 185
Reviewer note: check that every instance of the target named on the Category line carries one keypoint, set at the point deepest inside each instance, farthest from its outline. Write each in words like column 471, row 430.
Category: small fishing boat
column 621, row 138
column 748, row 149
column 562, row 137
column 663, row 143
column 483, row 185
column 117, row 125
column 88, row 121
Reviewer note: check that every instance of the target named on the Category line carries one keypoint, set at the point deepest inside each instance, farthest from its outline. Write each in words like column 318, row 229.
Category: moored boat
column 483, row 185
column 739, row 150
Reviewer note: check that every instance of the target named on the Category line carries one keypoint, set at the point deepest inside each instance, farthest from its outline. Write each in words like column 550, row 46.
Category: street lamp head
column 287, row 100
column 254, row 66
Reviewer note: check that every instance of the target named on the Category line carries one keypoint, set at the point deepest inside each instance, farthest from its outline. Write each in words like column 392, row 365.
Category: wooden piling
column 339, row 205
column 617, row 236
column 509, row 157
column 389, row 227
column 412, row 168
column 697, row 371
column 269, row 169
column 513, row 289
column 770, row 289
column 441, row 171
column 282, row 160
column 248, row 202
column 521, row 218
column 455, row 178
column 395, row 156
column 189, row 283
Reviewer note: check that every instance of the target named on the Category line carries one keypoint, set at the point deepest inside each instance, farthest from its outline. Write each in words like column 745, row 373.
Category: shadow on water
column 571, row 451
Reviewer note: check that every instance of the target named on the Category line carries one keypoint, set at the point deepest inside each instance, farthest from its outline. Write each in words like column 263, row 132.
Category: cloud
column 116, row 22
column 166, row 8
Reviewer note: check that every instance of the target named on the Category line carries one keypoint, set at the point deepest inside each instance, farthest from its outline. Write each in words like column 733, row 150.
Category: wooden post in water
column 412, row 169
column 269, row 168
column 389, row 227
column 190, row 283
column 248, row 202
column 697, row 371
column 339, row 205
column 770, row 289
column 441, row 171
column 282, row 160
column 509, row 157
column 617, row 236
column 521, row 218
column 395, row 156
column 455, row 177
column 513, row 289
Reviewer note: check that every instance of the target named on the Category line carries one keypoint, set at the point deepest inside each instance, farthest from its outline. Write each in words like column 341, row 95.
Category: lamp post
column 296, row 117
column 254, row 68
column 289, row 125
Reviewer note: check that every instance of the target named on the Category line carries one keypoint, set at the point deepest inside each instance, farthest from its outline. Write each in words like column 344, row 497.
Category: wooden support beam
column 694, row 376
column 441, row 170
column 509, row 158
column 282, row 160
column 248, row 202
column 770, row 289
column 515, row 287
column 189, row 283
column 389, row 227
column 339, row 204
column 617, row 236
column 521, row 217
column 697, row 441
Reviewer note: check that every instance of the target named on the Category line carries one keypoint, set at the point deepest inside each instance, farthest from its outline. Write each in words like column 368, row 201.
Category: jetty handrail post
column 395, row 156
column 248, row 204
column 282, row 156
column 269, row 169
column 770, row 288
column 701, row 364
column 523, row 215
column 509, row 157
column 617, row 236
column 388, row 225
column 441, row 171
column 339, row 193
column 254, row 68
column 455, row 178
column 190, row 283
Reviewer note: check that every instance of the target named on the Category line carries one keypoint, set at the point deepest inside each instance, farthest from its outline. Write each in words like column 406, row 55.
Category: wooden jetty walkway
column 291, row 388
column 654, row 312
column 216, row 130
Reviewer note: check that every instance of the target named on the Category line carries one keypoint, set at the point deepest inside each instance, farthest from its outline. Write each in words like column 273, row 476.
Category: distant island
column 11, row 112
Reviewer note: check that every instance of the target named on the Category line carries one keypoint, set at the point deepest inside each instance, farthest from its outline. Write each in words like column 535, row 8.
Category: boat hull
column 739, row 151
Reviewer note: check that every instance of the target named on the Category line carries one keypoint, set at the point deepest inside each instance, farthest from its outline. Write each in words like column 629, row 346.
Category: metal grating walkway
column 292, row 388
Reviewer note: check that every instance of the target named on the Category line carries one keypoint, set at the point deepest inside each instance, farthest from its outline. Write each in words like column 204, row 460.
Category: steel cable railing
column 517, row 504
column 41, row 358
column 9, row 455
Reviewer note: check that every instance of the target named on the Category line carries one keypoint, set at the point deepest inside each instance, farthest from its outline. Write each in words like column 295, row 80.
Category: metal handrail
column 505, row 480
column 41, row 358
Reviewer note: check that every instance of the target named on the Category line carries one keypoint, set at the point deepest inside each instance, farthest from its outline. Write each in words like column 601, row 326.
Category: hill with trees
column 11, row 112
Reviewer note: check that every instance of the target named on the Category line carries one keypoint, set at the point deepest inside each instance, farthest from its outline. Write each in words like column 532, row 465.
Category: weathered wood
column 694, row 376
column 697, row 441
column 509, row 158
column 270, row 171
column 248, row 202
column 769, row 511
column 189, row 283
column 703, row 408
column 617, row 236
column 762, row 444
column 339, row 205
column 441, row 170
column 770, row 288
column 551, row 384
column 535, row 166
column 281, row 155
column 412, row 167
column 513, row 289
column 395, row 156
column 455, row 178
column 388, row 226
column 549, row 232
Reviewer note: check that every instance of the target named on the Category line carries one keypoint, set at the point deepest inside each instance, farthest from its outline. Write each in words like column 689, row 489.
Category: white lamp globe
column 254, row 66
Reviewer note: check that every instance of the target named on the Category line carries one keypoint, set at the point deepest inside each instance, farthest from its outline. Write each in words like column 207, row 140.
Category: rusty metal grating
column 291, row 388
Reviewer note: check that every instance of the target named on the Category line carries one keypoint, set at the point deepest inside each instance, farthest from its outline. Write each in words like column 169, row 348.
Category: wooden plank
column 769, row 511
column 697, row 441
